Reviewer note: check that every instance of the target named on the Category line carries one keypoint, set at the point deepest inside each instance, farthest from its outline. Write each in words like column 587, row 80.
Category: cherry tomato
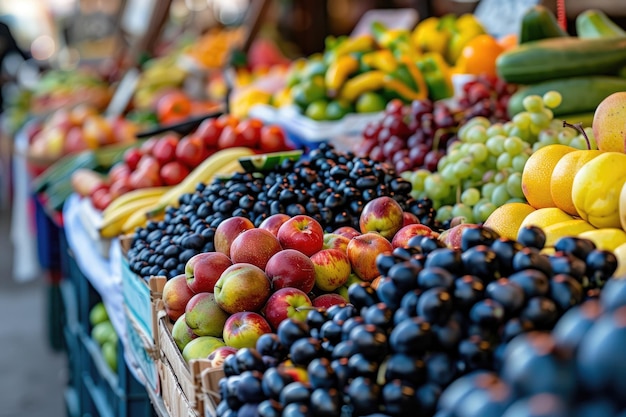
column 173, row 107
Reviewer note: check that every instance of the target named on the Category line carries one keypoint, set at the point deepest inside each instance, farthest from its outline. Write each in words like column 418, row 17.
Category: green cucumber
column 268, row 161
column 539, row 22
column 552, row 58
column 594, row 23
column 580, row 94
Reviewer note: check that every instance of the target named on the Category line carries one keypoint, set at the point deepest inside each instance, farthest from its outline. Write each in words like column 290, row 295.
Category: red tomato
column 210, row 130
column 249, row 132
column 273, row 139
column 173, row 107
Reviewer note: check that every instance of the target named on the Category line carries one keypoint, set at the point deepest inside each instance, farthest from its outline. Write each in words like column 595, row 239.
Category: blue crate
column 48, row 235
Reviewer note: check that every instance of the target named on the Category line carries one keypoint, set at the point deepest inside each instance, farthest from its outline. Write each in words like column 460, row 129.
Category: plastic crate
column 48, row 235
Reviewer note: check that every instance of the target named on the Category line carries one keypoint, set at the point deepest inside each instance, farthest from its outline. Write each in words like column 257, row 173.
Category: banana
column 134, row 195
column 381, row 59
column 339, row 71
column 203, row 173
column 111, row 225
column 368, row 81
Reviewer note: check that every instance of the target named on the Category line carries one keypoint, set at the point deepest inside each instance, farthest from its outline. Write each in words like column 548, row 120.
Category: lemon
column 562, row 178
column 573, row 227
column 545, row 217
column 506, row 219
column 370, row 102
column 597, row 188
column 538, row 173
column 608, row 238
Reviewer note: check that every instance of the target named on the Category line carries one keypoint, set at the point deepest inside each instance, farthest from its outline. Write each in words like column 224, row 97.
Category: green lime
column 370, row 102
column 98, row 314
column 309, row 90
column 336, row 109
column 316, row 110
column 103, row 332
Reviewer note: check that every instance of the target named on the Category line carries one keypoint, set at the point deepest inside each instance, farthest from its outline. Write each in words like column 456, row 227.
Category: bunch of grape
column 574, row 370
column 483, row 169
column 416, row 136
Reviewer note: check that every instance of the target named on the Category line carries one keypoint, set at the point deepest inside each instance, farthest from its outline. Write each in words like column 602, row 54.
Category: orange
column 563, row 178
column 479, row 56
column 506, row 219
column 537, row 174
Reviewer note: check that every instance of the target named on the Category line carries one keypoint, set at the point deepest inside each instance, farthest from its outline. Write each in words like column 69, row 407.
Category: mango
column 609, row 123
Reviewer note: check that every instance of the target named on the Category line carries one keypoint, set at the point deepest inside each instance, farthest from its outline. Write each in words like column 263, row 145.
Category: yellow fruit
column 609, row 123
column 563, row 178
column 597, row 188
column 573, row 227
column 622, row 206
column 545, row 217
column 538, row 172
column 620, row 253
column 607, row 238
column 506, row 219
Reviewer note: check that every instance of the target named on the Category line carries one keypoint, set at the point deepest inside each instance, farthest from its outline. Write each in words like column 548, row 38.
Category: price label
column 391, row 18
column 502, row 17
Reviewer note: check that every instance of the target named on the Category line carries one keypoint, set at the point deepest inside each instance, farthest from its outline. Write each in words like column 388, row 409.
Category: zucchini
column 594, row 23
column 552, row 58
column 580, row 94
column 538, row 22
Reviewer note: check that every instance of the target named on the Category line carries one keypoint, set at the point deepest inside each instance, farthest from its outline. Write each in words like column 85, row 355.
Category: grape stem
column 579, row 127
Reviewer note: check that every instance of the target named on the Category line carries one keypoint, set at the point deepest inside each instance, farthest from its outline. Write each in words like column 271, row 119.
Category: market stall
column 421, row 218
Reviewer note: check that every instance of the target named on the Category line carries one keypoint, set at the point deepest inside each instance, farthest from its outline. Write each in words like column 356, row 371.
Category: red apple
column 402, row 237
column 165, row 148
column 294, row 372
column 381, row 215
column 149, row 165
column 452, row 236
column 328, row 300
column 229, row 138
column 287, row 303
column 273, row 222
column 291, row 268
column 119, row 171
column 335, row 241
column 181, row 333
column 204, row 269
column 302, row 233
column 332, row 269
column 74, row 141
column 210, row 130
column 216, row 358
column 362, row 252
column 119, row 187
column 176, row 295
column 204, row 316
column 173, row 172
column 148, row 145
column 228, row 230
column 243, row 329
column 132, row 157
column 255, row 246
column 242, row 287
column 409, row 218
column 190, row 151
column 347, row 231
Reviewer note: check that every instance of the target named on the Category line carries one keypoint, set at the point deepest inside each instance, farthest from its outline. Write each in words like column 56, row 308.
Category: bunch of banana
column 121, row 216
column 222, row 162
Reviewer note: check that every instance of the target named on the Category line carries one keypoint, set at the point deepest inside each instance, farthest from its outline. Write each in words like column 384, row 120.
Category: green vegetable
column 552, row 58
column 594, row 23
column 580, row 94
column 540, row 23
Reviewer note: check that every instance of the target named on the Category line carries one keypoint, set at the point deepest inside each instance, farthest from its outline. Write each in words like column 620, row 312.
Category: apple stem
column 579, row 127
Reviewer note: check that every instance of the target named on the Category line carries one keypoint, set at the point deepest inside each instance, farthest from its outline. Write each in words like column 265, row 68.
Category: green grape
column 522, row 120
column 476, row 134
column 552, row 99
column 444, row 213
column 417, row 179
column 514, row 145
column 483, row 210
column 495, row 129
column 508, row 126
column 505, row 160
column 443, row 161
column 479, row 152
column 548, row 137
column 453, row 155
column 519, row 161
column 565, row 136
column 500, row 177
column 495, row 144
column 462, row 210
column 578, row 142
column 436, row 188
column 454, row 146
column 449, row 175
column 533, row 103
column 487, row 189
column 477, row 174
column 516, row 200
column 514, row 185
column 500, row 195
column 464, row 167
column 470, row 196
column 540, row 121
column 479, row 120
column 537, row 146
column 491, row 162
column 522, row 134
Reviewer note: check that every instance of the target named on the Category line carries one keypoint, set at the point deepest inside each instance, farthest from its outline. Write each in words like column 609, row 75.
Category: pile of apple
column 167, row 159
column 77, row 129
column 259, row 276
